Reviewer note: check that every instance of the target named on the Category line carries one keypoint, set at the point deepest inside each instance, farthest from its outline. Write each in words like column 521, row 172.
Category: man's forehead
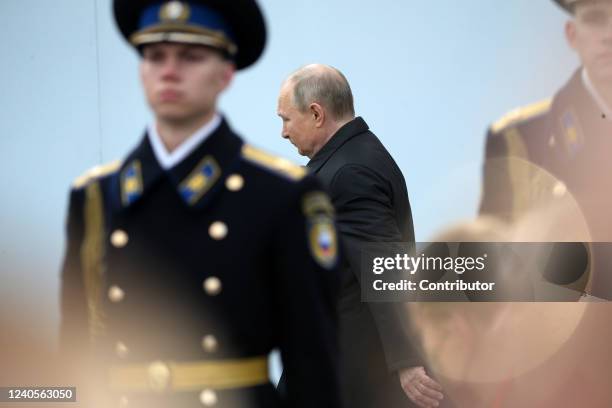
column 287, row 86
column 285, row 93
column 572, row 6
column 587, row 4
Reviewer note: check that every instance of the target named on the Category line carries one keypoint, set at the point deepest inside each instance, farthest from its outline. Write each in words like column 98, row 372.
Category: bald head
column 314, row 102
column 325, row 85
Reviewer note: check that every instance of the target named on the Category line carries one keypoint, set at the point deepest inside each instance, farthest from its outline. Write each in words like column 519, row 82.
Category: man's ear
column 318, row 114
column 227, row 74
column 570, row 33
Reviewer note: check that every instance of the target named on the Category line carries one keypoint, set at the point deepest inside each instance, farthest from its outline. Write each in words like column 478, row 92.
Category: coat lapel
column 195, row 179
column 138, row 173
column 199, row 176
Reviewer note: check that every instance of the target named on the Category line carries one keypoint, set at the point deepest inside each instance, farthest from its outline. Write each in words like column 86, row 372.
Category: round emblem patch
column 323, row 242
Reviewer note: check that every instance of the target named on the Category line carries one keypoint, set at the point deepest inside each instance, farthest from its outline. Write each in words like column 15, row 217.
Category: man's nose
column 170, row 68
column 607, row 40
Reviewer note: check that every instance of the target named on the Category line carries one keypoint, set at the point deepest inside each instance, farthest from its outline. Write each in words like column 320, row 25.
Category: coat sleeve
column 74, row 338
column 365, row 213
column 306, row 253
column 497, row 189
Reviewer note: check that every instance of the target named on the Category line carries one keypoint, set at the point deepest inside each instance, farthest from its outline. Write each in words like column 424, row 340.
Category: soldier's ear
column 318, row 114
column 570, row 33
column 227, row 74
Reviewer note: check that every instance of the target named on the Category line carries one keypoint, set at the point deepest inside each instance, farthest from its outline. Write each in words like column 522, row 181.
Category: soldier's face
column 590, row 34
column 298, row 127
column 182, row 82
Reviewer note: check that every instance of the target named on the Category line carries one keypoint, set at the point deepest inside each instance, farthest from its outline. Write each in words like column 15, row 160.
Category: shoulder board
column 95, row 173
column 274, row 163
column 521, row 114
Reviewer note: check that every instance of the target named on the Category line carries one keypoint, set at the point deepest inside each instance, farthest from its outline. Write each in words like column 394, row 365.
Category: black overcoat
column 369, row 193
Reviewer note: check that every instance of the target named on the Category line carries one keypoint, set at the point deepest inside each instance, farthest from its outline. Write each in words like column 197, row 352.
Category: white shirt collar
column 586, row 80
column 168, row 160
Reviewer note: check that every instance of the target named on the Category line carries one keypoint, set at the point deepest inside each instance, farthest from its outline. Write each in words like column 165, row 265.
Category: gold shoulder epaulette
column 274, row 163
column 521, row 114
column 96, row 172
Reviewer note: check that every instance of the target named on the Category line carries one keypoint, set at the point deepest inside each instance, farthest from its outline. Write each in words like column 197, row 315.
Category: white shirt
column 168, row 160
column 605, row 109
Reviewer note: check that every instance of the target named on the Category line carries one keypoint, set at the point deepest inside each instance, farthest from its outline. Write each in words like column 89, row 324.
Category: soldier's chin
column 172, row 114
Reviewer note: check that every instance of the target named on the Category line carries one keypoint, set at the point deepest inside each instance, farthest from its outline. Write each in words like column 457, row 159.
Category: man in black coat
column 195, row 256
column 559, row 149
column 369, row 194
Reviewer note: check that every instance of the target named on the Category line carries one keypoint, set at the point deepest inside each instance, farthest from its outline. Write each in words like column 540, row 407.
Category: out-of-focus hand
column 420, row 388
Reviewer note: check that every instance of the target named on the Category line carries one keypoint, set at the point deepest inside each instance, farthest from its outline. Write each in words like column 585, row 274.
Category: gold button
column 217, row 230
column 208, row 398
column 235, row 182
column 123, row 402
column 159, row 376
column 121, row 349
column 119, row 238
column 209, row 343
column 559, row 189
column 115, row 294
column 212, row 286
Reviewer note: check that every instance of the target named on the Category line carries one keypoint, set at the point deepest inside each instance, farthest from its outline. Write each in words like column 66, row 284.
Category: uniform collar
column 167, row 159
column 575, row 120
column 603, row 106
column 344, row 134
column 195, row 177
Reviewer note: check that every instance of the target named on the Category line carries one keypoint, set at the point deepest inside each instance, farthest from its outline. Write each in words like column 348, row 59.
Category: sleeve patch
column 322, row 234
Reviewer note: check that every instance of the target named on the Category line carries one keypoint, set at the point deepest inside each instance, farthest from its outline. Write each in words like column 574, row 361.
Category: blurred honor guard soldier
column 369, row 193
column 193, row 258
column 566, row 140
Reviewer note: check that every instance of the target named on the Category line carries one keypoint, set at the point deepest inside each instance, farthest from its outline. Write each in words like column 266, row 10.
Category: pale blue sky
column 428, row 77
